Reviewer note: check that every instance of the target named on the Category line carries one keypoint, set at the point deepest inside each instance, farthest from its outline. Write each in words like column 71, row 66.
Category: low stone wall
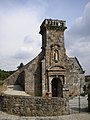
column 33, row 106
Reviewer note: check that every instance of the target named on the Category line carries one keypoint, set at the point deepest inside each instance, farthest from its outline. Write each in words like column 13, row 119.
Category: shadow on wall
column 17, row 87
column 20, row 80
column 38, row 80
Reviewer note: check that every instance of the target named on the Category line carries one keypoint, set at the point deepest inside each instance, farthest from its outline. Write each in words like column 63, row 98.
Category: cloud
column 27, row 39
column 24, row 53
column 78, row 39
column 19, row 34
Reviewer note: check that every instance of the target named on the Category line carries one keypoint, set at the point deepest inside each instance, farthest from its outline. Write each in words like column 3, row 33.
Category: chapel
column 51, row 71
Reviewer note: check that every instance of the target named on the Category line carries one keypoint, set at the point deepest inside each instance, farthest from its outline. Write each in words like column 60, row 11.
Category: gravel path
column 15, row 90
column 81, row 116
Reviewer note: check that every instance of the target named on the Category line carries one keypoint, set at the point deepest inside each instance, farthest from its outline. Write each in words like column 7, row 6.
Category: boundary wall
column 33, row 106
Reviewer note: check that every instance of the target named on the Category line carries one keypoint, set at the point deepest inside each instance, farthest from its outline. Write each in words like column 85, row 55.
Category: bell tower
column 53, row 65
column 52, row 32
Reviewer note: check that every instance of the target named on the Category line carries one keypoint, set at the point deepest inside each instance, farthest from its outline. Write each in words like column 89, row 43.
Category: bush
column 4, row 74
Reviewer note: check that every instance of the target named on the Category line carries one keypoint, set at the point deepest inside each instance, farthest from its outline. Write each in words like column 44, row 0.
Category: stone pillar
column 66, row 97
column 65, row 93
column 43, row 78
column 50, row 86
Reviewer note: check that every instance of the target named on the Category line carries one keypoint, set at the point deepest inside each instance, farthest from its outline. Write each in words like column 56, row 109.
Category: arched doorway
column 57, row 88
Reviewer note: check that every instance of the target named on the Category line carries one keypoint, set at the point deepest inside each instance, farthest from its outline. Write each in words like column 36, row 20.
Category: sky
column 20, row 22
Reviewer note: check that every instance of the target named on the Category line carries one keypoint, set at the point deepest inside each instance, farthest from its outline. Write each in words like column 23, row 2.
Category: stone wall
column 33, row 106
column 12, row 80
column 33, row 78
column 2, row 86
column 28, row 77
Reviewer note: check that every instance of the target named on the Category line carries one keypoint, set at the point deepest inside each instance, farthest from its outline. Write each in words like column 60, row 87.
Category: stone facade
column 52, row 70
column 52, row 73
column 75, row 77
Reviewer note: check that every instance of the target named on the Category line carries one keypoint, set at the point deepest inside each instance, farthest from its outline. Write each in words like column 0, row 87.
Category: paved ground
column 81, row 116
column 15, row 90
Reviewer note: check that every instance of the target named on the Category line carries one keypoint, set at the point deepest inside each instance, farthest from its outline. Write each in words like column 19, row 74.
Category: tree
column 87, row 78
column 20, row 66
column 4, row 74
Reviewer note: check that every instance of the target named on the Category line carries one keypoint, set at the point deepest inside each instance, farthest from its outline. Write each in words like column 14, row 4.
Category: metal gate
column 78, row 104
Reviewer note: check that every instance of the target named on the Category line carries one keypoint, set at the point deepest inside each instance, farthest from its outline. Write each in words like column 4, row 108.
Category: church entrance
column 57, row 88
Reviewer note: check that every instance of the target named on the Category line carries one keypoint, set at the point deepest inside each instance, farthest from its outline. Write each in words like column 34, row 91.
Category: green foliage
column 20, row 66
column 87, row 78
column 4, row 74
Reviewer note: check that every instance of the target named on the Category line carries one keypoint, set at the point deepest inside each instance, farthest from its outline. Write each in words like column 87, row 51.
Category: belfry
column 54, row 62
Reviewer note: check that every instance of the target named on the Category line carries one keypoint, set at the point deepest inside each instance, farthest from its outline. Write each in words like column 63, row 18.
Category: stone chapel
column 52, row 71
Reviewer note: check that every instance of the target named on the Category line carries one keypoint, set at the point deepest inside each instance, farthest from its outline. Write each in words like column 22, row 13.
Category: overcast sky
column 20, row 22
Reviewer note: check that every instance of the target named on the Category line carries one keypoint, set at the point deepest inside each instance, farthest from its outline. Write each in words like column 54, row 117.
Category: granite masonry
column 33, row 106
column 49, row 78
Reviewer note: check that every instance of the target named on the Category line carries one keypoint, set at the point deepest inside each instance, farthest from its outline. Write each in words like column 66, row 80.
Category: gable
column 76, row 65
